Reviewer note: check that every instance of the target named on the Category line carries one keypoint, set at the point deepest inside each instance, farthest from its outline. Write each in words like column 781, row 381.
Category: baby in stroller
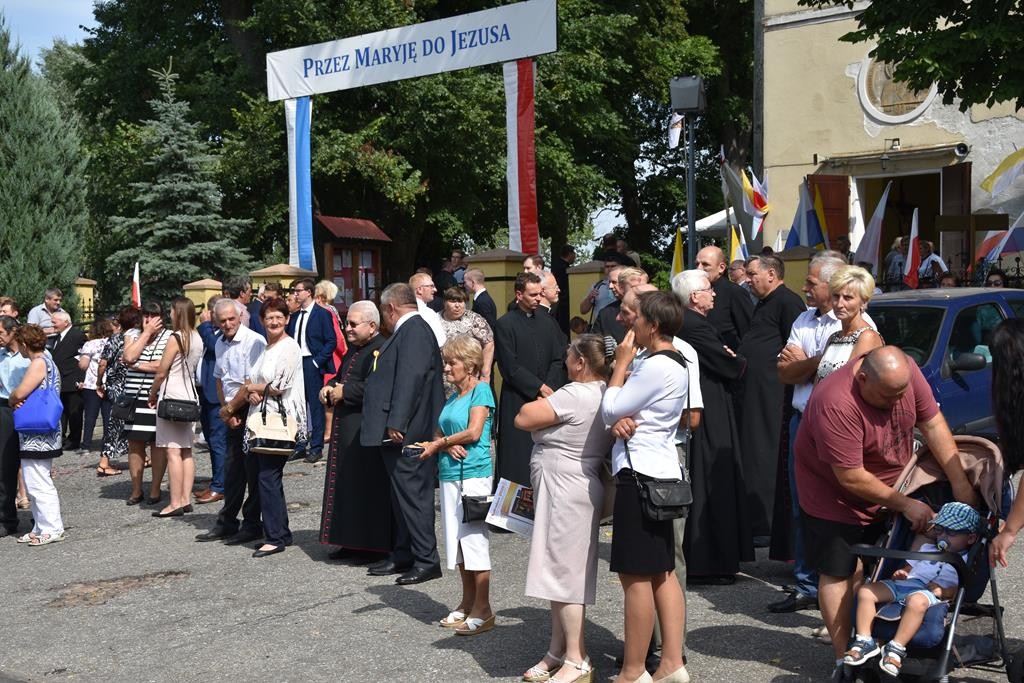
column 916, row 586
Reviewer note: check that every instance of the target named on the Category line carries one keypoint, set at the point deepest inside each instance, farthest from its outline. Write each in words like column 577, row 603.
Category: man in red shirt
column 856, row 436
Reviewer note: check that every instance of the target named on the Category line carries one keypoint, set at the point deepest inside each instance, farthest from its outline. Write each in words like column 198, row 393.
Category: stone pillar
column 282, row 273
column 85, row 291
column 500, row 267
column 796, row 260
column 581, row 279
column 200, row 291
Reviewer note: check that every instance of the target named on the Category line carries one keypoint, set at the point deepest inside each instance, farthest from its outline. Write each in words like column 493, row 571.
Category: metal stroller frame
column 982, row 462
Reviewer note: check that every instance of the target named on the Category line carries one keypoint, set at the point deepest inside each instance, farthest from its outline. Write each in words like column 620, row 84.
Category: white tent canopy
column 716, row 223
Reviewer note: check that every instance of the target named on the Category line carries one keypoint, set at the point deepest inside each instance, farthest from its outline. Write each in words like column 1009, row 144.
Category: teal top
column 455, row 418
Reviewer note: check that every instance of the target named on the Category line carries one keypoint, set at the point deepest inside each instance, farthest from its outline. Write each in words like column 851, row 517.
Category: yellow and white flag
column 678, row 265
column 1011, row 168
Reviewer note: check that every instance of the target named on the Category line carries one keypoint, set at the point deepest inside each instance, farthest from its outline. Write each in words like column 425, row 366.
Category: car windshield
column 912, row 328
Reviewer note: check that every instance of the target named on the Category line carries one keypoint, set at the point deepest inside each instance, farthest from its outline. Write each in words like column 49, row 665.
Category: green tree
column 425, row 157
column 970, row 50
column 177, row 233
column 42, row 183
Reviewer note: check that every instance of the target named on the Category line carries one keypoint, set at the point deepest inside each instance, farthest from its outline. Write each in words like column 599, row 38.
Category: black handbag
column 123, row 407
column 176, row 409
column 665, row 499
column 474, row 508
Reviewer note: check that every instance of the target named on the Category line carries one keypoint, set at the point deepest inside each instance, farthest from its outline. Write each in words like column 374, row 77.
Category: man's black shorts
column 827, row 543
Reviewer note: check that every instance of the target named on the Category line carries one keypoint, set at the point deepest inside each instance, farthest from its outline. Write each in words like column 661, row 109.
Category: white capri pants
column 465, row 543
column 43, row 496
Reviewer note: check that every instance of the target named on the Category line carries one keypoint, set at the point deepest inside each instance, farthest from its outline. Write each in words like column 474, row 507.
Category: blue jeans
column 95, row 407
column 806, row 579
column 216, row 434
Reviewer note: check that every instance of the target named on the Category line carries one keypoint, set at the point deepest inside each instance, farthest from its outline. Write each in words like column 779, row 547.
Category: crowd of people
column 786, row 417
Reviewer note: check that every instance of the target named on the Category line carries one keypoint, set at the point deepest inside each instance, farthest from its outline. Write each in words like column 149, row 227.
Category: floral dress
column 472, row 324
column 115, row 446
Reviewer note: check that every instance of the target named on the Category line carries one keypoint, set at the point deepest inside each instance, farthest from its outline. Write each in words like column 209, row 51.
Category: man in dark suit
column 483, row 303
column 401, row 404
column 560, row 269
column 65, row 355
column 733, row 308
column 312, row 327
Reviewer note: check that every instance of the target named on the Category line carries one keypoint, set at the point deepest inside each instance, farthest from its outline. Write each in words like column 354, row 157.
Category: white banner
column 502, row 34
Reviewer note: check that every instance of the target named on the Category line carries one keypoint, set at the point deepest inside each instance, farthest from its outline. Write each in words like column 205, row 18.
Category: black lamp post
column 687, row 94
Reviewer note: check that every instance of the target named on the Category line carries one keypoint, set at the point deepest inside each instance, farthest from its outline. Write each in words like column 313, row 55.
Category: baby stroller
column 961, row 632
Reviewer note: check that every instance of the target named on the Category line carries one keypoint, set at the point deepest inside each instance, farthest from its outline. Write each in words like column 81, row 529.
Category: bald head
column 712, row 261
column 884, row 376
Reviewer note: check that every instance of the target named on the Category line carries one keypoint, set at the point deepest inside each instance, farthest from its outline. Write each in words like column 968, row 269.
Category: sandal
column 474, row 626
column 454, row 619
column 585, row 669
column 46, row 539
column 23, row 503
column 134, row 500
column 892, row 659
column 27, row 538
column 107, row 471
column 535, row 674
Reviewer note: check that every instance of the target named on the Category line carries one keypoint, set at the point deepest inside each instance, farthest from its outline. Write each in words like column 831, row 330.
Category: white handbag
column 271, row 432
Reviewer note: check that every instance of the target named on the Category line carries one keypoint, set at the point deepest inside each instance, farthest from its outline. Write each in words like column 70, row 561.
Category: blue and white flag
column 298, row 114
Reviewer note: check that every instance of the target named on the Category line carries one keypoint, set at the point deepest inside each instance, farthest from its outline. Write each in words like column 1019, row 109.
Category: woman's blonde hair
column 325, row 290
column 467, row 349
column 861, row 280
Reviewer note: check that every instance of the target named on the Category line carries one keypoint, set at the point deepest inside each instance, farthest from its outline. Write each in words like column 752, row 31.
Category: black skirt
column 639, row 545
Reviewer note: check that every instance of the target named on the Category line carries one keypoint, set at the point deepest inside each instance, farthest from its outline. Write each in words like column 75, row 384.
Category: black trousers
column 272, row 502
column 71, row 418
column 412, row 499
column 241, row 472
column 10, row 461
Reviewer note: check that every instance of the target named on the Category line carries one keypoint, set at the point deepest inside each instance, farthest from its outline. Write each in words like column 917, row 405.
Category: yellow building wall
column 812, row 107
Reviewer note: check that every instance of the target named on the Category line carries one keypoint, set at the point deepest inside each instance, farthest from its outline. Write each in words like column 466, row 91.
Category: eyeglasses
column 704, row 289
column 349, row 323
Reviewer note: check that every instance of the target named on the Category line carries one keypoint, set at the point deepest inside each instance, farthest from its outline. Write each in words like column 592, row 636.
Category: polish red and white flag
column 136, row 288
column 913, row 262
column 521, row 170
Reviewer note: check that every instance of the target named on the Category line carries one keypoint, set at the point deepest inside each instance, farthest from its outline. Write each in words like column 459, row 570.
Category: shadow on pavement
column 782, row 649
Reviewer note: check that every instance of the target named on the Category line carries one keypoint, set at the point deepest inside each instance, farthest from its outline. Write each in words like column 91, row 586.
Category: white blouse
column 655, row 397
column 280, row 365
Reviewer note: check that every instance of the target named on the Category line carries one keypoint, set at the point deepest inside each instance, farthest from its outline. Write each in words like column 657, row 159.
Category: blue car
column 947, row 332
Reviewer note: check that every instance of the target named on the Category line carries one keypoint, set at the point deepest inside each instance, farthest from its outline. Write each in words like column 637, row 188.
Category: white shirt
column 926, row 265
column 300, row 327
column 810, row 333
column 477, row 293
column 433, row 319
column 235, row 359
column 689, row 354
column 654, row 396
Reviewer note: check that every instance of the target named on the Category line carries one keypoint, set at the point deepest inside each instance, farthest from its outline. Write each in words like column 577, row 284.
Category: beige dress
column 180, row 384
column 565, row 471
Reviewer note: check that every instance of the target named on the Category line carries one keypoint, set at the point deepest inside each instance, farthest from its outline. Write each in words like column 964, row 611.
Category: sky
column 36, row 23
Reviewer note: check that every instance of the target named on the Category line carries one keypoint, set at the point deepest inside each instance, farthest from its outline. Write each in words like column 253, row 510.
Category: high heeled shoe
column 535, row 674
column 585, row 669
column 680, row 675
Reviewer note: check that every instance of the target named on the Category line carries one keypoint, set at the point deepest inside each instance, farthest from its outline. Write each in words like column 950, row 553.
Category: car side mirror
column 968, row 362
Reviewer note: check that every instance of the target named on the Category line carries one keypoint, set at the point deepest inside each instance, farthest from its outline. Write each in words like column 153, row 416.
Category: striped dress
column 142, row 425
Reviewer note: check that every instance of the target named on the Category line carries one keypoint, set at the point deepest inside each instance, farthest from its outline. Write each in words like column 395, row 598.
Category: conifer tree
column 178, row 234
column 42, row 184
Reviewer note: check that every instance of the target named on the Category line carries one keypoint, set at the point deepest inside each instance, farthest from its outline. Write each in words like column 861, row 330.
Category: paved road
column 131, row 598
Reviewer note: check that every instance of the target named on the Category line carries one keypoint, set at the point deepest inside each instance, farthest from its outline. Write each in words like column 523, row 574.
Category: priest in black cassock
column 357, row 513
column 733, row 310
column 762, row 396
column 530, row 351
column 717, row 534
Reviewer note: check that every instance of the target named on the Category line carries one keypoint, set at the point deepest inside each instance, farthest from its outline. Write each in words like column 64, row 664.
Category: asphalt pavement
column 128, row 597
